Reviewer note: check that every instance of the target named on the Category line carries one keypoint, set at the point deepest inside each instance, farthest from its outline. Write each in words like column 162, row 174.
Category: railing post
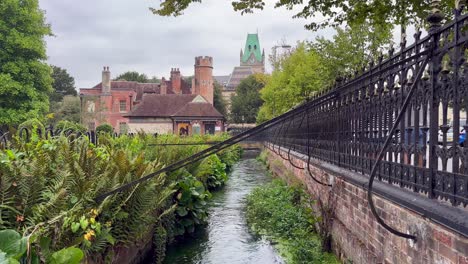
column 434, row 20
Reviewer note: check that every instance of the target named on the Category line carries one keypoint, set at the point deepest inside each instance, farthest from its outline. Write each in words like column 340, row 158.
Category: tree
column 218, row 100
column 63, row 84
column 68, row 109
column 298, row 77
column 133, row 76
column 339, row 12
column 247, row 101
column 25, row 81
column 351, row 49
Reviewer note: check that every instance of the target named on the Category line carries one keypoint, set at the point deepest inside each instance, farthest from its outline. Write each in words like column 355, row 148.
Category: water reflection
column 226, row 239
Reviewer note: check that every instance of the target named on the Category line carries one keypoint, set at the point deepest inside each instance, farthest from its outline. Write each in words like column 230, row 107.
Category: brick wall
column 357, row 236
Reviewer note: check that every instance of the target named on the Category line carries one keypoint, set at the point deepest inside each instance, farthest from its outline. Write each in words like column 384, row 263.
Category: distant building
column 252, row 60
column 171, row 106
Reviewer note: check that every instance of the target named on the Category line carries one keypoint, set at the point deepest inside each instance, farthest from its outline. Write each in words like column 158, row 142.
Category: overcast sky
column 125, row 35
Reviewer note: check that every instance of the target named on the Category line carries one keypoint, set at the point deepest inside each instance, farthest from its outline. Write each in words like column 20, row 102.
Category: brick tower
column 202, row 83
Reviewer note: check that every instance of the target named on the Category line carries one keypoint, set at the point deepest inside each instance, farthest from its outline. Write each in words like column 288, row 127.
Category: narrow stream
column 226, row 239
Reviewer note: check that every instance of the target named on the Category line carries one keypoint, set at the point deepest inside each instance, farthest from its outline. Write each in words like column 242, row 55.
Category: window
column 123, row 106
column 123, row 128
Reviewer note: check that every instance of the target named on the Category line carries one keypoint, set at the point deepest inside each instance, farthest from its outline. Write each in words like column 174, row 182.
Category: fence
column 401, row 116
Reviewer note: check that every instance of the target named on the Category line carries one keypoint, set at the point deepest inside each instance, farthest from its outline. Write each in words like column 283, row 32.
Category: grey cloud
column 125, row 35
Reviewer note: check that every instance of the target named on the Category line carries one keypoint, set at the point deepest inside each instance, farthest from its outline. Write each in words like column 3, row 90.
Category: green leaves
column 69, row 255
column 247, row 101
column 24, row 75
column 12, row 244
column 282, row 214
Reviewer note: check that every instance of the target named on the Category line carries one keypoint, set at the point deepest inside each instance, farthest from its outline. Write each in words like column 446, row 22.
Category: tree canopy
column 25, row 79
column 63, row 84
column 68, row 109
column 218, row 100
column 134, row 76
column 246, row 102
column 351, row 49
column 299, row 75
column 334, row 13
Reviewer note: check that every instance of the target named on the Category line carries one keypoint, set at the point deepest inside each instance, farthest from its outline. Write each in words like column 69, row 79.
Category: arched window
column 255, row 47
column 250, row 48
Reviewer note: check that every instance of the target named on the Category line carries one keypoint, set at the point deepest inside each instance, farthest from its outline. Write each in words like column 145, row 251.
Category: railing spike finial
column 391, row 50
column 380, row 58
column 436, row 16
column 417, row 35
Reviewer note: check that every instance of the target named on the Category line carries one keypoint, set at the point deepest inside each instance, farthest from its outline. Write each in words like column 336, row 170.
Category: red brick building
column 163, row 107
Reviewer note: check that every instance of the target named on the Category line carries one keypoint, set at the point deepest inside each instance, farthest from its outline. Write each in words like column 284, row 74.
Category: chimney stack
column 163, row 86
column 176, row 80
column 106, row 80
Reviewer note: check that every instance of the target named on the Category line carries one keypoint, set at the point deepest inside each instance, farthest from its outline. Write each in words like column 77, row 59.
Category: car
column 461, row 139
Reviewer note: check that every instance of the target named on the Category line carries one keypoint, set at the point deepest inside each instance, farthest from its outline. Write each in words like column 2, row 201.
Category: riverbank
column 226, row 238
column 284, row 214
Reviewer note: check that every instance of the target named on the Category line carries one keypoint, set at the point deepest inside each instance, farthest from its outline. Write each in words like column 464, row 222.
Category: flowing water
column 226, row 239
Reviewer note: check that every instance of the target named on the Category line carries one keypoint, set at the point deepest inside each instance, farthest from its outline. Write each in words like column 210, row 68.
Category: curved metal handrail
column 292, row 164
column 22, row 130
column 3, row 138
column 289, row 151
column 382, row 151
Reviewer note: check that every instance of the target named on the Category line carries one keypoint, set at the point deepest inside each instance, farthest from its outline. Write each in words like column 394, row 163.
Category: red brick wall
column 107, row 107
column 356, row 234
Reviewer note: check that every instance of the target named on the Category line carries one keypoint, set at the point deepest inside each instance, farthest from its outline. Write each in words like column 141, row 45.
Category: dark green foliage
column 247, row 101
column 212, row 172
column 69, row 109
column 13, row 250
column 159, row 242
column 218, row 100
column 104, row 128
column 63, row 84
column 283, row 214
column 25, row 81
column 133, row 76
column 191, row 199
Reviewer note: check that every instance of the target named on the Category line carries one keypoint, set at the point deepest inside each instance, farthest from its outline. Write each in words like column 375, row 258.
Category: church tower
column 202, row 82
column 252, row 55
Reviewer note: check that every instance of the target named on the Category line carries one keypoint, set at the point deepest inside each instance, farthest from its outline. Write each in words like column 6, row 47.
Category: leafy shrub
column 282, row 214
column 13, row 250
column 212, row 172
column 105, row 128
column 65, row 125
column 48, row 187
column 191, row 209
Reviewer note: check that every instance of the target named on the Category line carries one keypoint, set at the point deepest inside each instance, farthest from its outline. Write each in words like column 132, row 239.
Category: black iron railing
column 347, row 126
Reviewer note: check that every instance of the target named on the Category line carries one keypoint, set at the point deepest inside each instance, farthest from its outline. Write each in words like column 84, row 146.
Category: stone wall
column 358, row 237
column 162, row 126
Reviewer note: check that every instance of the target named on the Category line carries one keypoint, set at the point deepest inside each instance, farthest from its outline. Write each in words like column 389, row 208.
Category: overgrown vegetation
column 283, row 214
column 48, row 186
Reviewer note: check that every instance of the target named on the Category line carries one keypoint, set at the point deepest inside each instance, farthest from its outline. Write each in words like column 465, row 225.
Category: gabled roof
column 198, row 110
column 252, row 46
column 174, row 105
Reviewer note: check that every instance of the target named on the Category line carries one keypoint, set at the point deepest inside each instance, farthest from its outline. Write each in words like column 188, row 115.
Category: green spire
column 252, row 45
